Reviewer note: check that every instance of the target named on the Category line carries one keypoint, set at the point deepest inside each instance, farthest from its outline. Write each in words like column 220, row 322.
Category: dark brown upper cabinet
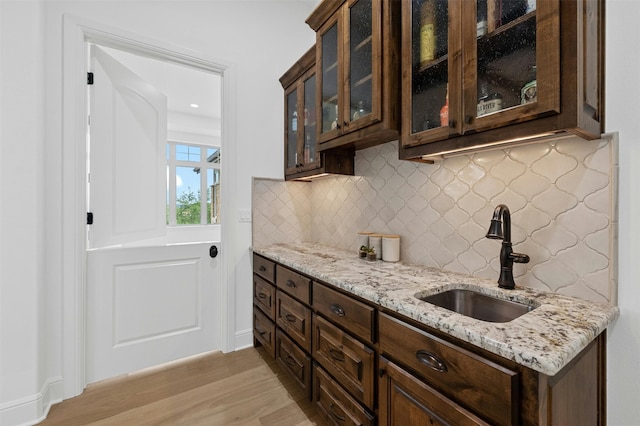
column 480, row 73
column 301, row 157
column 357, row 63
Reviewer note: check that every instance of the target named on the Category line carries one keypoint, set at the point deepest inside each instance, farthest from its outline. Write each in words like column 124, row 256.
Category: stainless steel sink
column 477, row 305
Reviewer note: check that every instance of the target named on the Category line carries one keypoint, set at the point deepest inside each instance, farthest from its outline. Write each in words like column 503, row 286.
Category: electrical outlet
column 244, row 215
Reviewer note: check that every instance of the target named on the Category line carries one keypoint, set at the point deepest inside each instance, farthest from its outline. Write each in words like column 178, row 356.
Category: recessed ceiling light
column 194, row 106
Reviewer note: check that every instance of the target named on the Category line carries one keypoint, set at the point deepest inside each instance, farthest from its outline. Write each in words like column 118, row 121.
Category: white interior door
column 146, row 305
column 128, row 137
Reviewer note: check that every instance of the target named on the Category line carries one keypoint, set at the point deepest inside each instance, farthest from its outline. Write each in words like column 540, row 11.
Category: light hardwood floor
column 246, row 387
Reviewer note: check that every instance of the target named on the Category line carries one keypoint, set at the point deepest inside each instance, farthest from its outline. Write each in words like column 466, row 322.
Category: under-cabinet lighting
column 194, row 106
column 509, row 143
column 312, row 177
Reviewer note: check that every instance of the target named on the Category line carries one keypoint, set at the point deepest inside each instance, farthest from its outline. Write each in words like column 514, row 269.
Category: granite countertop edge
column 545, row 339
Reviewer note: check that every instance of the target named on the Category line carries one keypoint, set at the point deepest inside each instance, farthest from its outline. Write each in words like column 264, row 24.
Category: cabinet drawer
column 347, row 359
column 264, row 296
column 264, row 331
column 294, row 318
column 264, row 267
column 481, row 385
column 294, row 360
column 355, row 316
column 405, row 400
column 334, row 404
column 293, row 283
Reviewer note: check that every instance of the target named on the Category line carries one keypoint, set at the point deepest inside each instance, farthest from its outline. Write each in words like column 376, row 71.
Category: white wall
column 622, row 112
column 22, row 320
column 260, row 38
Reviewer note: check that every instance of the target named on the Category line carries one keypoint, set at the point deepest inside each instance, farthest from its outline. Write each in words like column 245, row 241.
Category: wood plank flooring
column 246, row 387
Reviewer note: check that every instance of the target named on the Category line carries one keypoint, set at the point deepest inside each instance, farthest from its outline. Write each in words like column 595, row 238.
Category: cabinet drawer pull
column 262, row 268
column 260, row 332
column 290, row 284
column 262, row 295
column 431, row 361
column 290, row 318
column 332, row 411
column 291, row 362
column 336, row 354
column 337, row 309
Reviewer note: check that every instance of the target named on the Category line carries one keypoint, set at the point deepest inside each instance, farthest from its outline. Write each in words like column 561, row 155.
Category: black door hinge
column 89, row 218
column 89, row 78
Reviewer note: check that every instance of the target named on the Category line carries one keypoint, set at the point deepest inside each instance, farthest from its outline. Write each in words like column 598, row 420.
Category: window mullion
column 172, row 185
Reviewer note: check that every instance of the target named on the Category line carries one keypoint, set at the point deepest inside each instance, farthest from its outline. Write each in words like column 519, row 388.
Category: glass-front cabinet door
column 477, row 65
column 509, row 54
column 291, row 132
column 300, row 135
column 349, row 84
column 434, row 83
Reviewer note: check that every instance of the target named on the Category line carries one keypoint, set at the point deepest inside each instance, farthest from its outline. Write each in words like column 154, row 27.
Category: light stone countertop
column 544, row 339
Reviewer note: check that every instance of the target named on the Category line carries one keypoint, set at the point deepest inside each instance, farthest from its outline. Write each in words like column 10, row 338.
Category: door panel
column 128, row 137
column 149, row 305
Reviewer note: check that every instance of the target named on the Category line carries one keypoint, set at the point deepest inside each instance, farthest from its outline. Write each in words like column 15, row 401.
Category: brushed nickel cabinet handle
column 431, row 361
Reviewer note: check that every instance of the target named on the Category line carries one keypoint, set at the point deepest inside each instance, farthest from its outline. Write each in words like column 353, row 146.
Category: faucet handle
column 519, row 257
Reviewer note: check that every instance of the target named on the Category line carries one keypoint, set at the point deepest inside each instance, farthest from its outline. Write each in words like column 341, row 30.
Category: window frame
column 172, row 164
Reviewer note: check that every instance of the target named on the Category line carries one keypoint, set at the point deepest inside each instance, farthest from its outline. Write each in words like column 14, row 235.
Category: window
column 193, row 184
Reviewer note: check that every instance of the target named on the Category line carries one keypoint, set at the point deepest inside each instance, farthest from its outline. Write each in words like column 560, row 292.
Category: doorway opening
column 78, row 32
column 154, row 143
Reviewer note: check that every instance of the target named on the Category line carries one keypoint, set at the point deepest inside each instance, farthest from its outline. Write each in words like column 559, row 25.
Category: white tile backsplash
column 561, row 195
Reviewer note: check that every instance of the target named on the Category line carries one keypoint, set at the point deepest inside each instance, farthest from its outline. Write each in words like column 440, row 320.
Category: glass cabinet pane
column 310, row 120
column 506, row 52
column 329, row 68
column 361, row 59
column 292, row 129
column 429, row 82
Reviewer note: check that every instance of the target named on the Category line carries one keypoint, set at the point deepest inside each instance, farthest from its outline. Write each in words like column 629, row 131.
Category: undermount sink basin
column 477, row 305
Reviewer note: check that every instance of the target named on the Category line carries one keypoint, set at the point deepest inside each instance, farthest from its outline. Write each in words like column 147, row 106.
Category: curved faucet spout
column 500, row 229
column 497, row 231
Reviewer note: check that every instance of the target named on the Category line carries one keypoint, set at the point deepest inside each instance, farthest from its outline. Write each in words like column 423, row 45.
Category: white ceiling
column 183, row 86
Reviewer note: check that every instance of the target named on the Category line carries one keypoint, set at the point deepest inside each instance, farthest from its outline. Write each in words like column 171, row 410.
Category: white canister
column 375, row 242
column 363, row 239
column 391, row 248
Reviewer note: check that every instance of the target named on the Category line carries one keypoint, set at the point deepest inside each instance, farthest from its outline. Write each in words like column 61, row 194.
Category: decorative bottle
column 307, row 150
column 428, row 31
column 444, row 111
column 488, row 102
column 294, row 120
column 529, row 92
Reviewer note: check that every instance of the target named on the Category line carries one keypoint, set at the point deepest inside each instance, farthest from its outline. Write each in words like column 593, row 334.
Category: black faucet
column 500, row 229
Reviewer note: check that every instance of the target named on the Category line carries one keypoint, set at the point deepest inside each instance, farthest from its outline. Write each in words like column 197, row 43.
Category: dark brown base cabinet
column 363, row 365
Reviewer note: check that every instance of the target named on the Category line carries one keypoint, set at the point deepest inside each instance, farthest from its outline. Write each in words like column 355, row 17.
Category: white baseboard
column 243, row 339
column 33, row 409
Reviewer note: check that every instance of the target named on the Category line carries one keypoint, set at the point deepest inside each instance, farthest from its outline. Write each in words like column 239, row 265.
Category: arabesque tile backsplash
column 561, row 195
